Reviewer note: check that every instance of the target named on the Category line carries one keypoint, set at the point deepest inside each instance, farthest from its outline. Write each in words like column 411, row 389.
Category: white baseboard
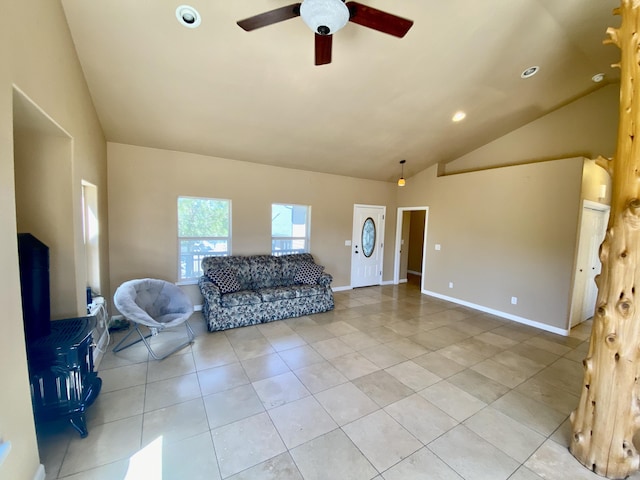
column 403, row 280
column 341, row 289
column 40, row 473
column 349, row 287
column 197, row 308
column 413, row 272
column 498, row 313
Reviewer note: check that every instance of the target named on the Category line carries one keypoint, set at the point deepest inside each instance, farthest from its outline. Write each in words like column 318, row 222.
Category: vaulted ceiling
column 257, row 96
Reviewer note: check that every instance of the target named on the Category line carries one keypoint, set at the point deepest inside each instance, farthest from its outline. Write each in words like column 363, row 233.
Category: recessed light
column 188, row 16
column 458, row 116
column 597, row 78
column 529, row 72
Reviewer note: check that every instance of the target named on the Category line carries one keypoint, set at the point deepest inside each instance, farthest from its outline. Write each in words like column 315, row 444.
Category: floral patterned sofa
column 246, row 290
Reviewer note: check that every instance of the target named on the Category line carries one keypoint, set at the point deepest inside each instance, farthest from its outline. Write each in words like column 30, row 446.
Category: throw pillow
column 308, row 273
column 225, row 279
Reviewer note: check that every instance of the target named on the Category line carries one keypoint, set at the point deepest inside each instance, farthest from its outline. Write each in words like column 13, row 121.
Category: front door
column 367, row 245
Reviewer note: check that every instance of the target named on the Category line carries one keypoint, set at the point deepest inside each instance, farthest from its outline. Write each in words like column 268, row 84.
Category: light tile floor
column 390, row 385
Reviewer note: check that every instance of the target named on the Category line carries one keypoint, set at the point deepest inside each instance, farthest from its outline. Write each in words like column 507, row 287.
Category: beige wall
column 512, row 231
column 584, row 128
column 144, row 185
column 504, row 232
column 593, row 178
column 38, row 57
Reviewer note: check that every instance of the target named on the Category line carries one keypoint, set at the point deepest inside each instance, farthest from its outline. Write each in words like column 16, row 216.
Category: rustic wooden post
column 608, row 414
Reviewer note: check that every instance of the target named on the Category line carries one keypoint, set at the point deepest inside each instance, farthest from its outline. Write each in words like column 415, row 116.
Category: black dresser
column 61, row 372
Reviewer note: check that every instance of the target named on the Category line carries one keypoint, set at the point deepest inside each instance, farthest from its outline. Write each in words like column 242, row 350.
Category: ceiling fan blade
column 323, row 49
column 378, row 20
column 269, row 18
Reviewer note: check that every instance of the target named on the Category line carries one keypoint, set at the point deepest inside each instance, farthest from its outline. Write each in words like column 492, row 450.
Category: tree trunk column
column 606, row 418
column 608, row 414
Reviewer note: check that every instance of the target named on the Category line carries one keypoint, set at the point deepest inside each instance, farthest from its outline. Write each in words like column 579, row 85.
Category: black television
column 33, row 257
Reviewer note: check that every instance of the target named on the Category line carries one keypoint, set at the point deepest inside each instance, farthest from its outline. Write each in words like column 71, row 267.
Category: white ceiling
column 257, row 96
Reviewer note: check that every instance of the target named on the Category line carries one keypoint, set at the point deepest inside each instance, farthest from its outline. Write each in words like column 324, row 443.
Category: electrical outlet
column 450, row 284
column 437, row 246
column 514, row 300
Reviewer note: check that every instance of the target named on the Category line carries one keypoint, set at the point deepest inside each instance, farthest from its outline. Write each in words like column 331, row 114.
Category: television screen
column 34, row 282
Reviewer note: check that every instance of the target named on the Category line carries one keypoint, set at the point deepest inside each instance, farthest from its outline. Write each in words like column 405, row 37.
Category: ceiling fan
column 326, row 17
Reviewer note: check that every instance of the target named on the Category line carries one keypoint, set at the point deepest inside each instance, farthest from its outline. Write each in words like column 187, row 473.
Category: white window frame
column 91, row 235
column 306, row 237
column 197, row 273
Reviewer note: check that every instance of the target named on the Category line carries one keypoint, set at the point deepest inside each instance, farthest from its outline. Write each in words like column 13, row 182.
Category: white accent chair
column 157, row 305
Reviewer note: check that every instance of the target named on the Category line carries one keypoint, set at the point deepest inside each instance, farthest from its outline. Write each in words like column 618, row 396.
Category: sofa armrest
column 209, row 290
column 325, row 279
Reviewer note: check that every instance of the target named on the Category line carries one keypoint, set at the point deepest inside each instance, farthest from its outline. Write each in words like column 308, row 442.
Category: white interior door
column 585, row 291
column 598, row 226
column 367, row 245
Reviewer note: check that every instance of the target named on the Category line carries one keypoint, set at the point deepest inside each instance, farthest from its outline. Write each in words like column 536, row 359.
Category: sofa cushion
column 243, row 297
column 309, row 290
column 225, row 279
column 277, row 293
column 290, row 265
column 239, row 264
column 266, row 271
column 308, row 273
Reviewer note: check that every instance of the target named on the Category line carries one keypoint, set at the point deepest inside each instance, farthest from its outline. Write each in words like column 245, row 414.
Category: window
column 289, row 229
column 91, row 235
column 204, row 229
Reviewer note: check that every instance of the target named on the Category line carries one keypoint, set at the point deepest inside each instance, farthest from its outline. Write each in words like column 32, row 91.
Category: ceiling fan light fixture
column 401, row 181
column 188, row 16
column 324, row 17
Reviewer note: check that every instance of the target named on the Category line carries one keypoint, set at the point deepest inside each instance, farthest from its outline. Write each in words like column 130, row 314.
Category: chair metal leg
column 118, row 347
column 190, row 339
column 143, row 338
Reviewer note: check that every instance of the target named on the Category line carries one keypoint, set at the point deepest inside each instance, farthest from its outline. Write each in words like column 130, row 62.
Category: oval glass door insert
column 368, row 237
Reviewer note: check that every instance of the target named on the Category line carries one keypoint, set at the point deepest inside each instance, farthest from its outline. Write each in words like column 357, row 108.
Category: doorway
column 367, row 245
column 593, row 226
column 43, row 174
column 411, row 241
